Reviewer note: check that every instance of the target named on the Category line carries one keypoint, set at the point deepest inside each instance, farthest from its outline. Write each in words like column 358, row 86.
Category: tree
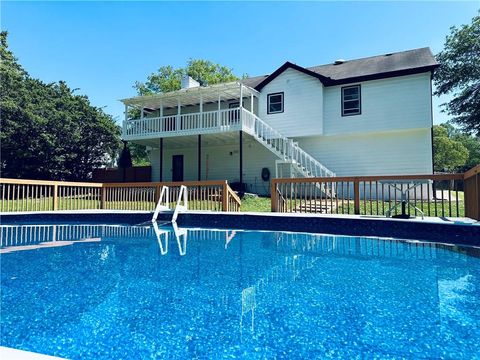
column 459, row 73
column 168, row 78
column 471, row 143
column 125, row 159
column 139, row 154
column 47, row 131
column 449, row 155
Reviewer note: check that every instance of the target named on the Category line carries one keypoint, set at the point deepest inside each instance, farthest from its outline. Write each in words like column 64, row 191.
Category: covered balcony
column 192, row 111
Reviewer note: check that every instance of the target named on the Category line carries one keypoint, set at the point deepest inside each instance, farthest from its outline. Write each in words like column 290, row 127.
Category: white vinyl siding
column 396, row 103
column 388, row 153
column 302, row 104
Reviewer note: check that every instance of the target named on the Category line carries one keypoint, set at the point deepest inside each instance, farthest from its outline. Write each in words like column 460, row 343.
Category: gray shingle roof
column 379, row 66
column 253, row 81
column 409, row 59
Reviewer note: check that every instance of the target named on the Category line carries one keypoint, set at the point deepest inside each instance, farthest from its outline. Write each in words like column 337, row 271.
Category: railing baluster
column 449, row 200
column 455, row 184
column 428, row 199
column 443, row 204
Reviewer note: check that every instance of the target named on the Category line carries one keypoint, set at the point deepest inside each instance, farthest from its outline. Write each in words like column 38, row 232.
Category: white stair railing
column 283, row 147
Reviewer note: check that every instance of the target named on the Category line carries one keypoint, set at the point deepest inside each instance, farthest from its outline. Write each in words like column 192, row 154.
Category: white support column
column 241, row 96
column 219, row 115
column 124, row 128
column 240, row 104
column 201, row 112
column 141, row 113
column 161, row 126
column 251, row 103
column 179, row 109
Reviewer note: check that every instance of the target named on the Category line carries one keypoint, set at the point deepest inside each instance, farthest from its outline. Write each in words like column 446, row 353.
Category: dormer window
column 275, row 103
column 351, row 100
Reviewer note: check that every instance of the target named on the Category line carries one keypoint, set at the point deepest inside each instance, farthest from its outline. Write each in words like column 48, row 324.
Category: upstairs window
column 351, row 100
column 275, row 103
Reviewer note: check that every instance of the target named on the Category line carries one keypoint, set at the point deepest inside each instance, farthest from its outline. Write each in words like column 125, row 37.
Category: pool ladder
column 164, row 203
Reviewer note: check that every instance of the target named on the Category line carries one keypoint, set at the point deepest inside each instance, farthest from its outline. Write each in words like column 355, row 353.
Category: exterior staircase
column 300, row 163
column 287, row 150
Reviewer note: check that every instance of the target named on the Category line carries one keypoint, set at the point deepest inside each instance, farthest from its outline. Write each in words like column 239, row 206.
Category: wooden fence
column 37, row 195
column 452, row 195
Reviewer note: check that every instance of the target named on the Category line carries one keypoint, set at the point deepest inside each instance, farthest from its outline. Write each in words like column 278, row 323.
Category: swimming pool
column 122, row 291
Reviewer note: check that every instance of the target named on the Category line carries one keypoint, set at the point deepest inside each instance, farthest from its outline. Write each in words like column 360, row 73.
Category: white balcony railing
column 186, row 124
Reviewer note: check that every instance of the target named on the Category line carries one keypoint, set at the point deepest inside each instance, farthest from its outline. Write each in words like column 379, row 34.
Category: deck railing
column 37, row 195
column 184, row 124
column 452, row 195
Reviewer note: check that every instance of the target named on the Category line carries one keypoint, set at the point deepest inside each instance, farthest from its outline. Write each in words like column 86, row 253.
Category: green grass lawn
column 253, row 203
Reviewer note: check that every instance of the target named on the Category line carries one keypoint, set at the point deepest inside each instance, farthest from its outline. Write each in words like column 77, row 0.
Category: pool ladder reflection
column 163, row 237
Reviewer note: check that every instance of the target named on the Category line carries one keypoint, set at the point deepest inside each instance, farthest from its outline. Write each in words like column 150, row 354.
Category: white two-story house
column 370, row 116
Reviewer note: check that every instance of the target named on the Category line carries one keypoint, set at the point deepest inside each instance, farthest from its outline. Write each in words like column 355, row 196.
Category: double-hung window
column 275, row 103
column 351, row 100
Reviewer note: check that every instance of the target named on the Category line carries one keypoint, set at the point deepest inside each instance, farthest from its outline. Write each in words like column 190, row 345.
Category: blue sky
column 102, row 48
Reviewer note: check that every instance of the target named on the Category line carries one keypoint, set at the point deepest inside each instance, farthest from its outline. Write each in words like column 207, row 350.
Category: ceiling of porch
column 229, row 138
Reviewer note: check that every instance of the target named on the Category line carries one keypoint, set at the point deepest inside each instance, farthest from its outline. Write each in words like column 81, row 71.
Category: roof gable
column 289, row 65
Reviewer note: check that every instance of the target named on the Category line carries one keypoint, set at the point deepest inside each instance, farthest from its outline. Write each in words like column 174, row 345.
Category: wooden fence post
column 471, row 184
column 158, row 190
column 103, row 196
column 273, row 197
column 224, row 196
column 356, row 196
column 55, row 197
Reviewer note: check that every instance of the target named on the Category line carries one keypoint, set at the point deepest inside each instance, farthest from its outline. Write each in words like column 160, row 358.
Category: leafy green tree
column 448, row 155
column 139, row 154
column 168, row 78
column 459, row 73
column 471, row 143
column 47, row 131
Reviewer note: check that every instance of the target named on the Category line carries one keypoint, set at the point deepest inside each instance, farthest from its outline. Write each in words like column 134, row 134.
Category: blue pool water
column 126, row 292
